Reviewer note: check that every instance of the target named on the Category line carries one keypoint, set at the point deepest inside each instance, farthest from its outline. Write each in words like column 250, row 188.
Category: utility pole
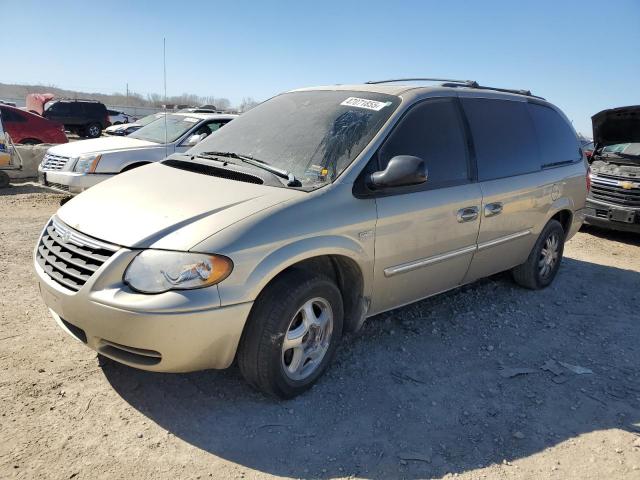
column 127, row 93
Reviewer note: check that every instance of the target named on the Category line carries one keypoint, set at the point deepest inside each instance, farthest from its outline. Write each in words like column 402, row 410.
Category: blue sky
column 583, row 56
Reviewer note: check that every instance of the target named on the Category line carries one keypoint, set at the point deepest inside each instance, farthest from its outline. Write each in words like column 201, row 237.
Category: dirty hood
column 164, row 207
column 616, row 125
column 103, row 144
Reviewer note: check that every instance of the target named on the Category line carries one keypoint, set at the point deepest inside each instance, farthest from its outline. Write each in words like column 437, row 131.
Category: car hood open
column 157, row 206
column 616, row 125
column 102, row 144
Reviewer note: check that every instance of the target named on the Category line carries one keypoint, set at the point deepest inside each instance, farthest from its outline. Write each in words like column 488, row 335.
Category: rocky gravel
column 487, row 381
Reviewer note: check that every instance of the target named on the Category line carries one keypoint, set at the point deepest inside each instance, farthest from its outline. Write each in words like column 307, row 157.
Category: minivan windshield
column 176, row 126
column 314, row 135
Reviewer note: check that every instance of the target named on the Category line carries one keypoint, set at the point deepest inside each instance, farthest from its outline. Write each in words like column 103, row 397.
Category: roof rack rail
column 457, row 83
column 526, row 93
column 469, row 83
column 77, row 99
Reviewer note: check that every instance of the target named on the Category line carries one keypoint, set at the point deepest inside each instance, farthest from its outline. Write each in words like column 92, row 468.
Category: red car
column 30, row 129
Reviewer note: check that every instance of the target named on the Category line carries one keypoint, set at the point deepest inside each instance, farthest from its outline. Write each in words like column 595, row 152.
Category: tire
column 544, row 260
column 94, row 130
column 4, row 180
column 278, row 311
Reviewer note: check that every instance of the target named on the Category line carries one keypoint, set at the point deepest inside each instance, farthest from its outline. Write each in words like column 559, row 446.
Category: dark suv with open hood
column 614, row 199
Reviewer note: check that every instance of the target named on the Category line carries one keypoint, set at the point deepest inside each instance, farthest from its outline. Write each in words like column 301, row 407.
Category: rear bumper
column 599, row 214
column 69, row 182
column 179, row 331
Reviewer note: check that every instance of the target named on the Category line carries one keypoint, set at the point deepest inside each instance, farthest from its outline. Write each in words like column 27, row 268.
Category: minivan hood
column 616, row 125
column 103, row 144
column 157, row 206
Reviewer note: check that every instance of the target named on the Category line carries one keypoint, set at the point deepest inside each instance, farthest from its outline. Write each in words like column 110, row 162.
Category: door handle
column 467, row 214
column 492, row 209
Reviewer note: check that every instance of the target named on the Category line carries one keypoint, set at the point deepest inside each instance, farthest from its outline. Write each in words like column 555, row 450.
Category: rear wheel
column 292, row 334
column 544, row 260
column 94, row 130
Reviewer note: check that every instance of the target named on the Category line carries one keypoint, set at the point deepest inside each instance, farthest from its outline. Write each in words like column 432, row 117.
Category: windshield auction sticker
column 364, row 103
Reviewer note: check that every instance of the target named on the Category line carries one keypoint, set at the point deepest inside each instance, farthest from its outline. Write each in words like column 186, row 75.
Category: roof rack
column 71, row 99
column 457, row 84
column 469, row 83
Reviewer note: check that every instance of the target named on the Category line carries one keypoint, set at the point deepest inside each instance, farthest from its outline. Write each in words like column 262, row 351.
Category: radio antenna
column 164, row 65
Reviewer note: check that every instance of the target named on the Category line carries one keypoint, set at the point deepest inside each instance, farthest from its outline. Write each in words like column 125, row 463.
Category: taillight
column 588, row 179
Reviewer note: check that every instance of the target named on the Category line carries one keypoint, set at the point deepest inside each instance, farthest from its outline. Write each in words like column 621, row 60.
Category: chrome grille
column 69, row 257
column 611, row 189
column 54, row 162
column 58, row 186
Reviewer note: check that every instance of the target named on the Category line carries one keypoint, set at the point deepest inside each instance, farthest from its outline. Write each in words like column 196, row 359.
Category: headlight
column 157, row 271
column 87, row 163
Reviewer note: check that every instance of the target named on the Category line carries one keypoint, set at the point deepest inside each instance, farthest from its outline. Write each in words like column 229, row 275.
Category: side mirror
column 402, row 171
column 192, row 140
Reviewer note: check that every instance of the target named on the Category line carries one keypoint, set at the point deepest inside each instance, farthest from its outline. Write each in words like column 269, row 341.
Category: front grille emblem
column 66, row 236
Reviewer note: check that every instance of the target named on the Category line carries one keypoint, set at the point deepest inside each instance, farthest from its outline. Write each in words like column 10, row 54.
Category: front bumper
column 599, row 214
column 69, row 182
column 178, row 331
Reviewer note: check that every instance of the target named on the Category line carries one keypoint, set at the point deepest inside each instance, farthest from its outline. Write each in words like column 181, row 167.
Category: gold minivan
column 320, row 207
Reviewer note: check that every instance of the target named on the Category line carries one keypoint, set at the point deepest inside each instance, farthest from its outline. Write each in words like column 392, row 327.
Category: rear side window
column 433, row 131
column 504, row 137
column 61, row 108
column 558, row 142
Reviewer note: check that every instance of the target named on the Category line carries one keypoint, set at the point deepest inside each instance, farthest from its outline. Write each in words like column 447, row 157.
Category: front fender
column 247, row 285
column 115, row 162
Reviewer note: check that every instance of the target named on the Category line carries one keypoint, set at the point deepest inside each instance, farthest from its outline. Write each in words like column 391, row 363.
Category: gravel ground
column 429, row 390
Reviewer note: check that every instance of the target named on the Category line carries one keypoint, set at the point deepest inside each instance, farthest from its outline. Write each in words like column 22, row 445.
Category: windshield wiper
column 292, row 181
column 208, row 156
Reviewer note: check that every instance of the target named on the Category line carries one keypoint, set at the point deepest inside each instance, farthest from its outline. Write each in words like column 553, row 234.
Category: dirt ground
column 429, row 390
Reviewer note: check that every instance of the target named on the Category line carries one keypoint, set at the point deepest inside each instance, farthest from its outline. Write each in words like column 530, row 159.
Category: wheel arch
column 132, row 165
column 29, row 141
column 339, row 258
column 562, row 210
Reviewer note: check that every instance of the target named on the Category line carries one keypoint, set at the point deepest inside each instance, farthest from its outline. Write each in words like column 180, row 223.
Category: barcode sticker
column 364, row 103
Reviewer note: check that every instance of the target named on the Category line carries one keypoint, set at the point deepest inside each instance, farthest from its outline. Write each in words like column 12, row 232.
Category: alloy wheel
column 307, row 339
column 549, row 255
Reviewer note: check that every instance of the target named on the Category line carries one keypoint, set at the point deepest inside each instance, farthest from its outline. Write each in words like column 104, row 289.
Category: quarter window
column 504, row 138
column 433, row 131
column 558, row 142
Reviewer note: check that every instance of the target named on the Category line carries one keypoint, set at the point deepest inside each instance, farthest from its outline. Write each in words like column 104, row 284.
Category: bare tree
column 247, row 104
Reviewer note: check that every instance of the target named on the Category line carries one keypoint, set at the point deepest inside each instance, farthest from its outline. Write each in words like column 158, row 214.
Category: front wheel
column 544, row 260
column 4, row 180
column 292, row 334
